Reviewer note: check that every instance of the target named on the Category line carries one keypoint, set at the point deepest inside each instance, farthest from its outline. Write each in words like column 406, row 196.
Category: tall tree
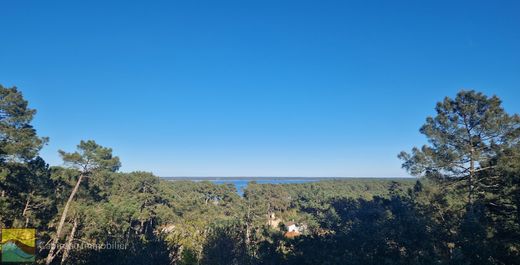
column 89, row 159
column 466, row 133
column 18, row 139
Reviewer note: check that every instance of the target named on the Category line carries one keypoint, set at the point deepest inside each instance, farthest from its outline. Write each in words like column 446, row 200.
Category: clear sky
column 253, row 88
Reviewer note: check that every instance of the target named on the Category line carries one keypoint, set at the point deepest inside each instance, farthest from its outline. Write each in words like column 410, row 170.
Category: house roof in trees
column 291, row 234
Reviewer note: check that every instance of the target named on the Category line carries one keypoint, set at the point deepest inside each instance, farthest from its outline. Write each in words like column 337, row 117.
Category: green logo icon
column 18, row 245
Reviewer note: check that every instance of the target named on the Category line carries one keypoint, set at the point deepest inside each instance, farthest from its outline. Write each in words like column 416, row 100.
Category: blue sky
column 253, row 88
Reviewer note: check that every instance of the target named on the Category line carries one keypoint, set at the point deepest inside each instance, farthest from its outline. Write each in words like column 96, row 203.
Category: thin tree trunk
column 68, row 245
column 53, row 250
column 248, row 227
column 470, row 179
column 26, row 209
column 127, row 236
column 471, row 164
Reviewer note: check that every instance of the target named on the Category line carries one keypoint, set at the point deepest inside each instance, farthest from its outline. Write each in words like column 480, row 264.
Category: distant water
column 241, row 184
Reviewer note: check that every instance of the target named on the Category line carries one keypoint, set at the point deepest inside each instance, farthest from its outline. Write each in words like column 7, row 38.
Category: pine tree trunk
column 26, row 209
column 53, row 251
column 470, row 179
column 68, row 245
column 248, row 234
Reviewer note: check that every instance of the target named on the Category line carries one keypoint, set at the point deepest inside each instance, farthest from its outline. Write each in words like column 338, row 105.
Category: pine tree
column 467, row 132
column 89, row 159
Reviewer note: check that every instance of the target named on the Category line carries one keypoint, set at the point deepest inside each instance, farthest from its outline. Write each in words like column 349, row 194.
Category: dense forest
column 463, row 207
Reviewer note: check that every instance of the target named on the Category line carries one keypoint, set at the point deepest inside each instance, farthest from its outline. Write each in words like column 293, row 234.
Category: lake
column 241, row 183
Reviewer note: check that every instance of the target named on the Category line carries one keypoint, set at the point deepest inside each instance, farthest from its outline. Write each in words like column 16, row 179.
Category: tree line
column 463, row 207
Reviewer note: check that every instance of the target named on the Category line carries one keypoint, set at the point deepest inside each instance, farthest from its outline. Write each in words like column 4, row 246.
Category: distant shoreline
column 285, row 178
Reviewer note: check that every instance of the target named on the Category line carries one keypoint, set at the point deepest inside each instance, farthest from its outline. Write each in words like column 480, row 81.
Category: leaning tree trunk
column 68, row 245
column 53, row 250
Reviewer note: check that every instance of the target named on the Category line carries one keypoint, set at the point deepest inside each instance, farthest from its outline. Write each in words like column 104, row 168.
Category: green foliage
column 29, row 195
column 473, row 139
column 18, row 139
column 24, row 183
column 226, row 245
column 467, row 133
column 91, row 157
